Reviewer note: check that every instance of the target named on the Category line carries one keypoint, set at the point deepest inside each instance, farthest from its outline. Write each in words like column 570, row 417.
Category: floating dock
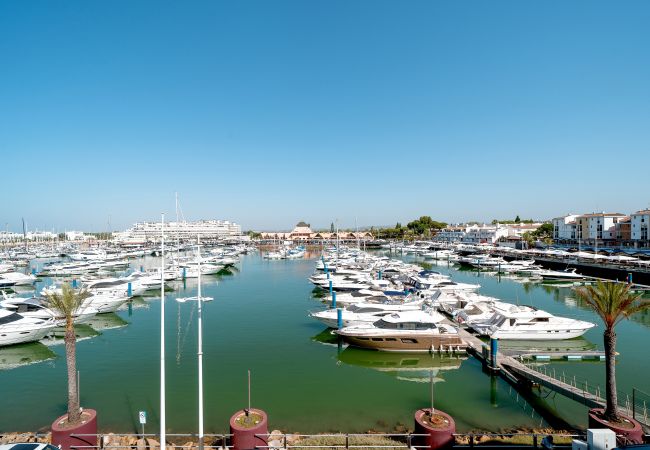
column 510, row 366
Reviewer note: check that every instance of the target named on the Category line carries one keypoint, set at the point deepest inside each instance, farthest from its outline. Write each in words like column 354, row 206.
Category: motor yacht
column 561, row 275
column 367, row 313
column 18, row 279
column 529, row 323
column 408, row 331
column 34, row 308
column 16, row 329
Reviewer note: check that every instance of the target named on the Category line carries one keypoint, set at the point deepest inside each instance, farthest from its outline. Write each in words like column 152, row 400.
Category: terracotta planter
column 67, row 436
column 438, row 435
column 252, row 436
column 633, row 432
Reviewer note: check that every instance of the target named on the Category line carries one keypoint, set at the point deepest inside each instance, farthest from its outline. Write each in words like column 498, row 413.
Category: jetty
column 525, row 376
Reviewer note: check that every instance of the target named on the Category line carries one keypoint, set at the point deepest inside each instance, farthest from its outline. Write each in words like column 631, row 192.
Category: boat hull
column 404, row 343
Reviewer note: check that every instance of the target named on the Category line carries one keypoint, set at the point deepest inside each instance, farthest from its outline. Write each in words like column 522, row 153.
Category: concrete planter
column 633, row 432
column 248, row 434
column 439, row 430
column 66, row 436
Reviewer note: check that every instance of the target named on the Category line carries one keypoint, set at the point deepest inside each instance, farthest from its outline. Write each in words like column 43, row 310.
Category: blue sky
column 269, row 112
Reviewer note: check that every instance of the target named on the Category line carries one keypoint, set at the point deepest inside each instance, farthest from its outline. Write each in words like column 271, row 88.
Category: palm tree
column 66, row 304
column 613, row 302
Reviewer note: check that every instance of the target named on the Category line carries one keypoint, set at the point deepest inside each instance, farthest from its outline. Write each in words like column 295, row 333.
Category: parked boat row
column 108, row 280
column 386, row 304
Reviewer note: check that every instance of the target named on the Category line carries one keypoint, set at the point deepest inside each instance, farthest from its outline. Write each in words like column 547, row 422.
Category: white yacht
column 18, row 279
column 191, row 270
column 561, row 275
column 34, row 308
column 102, row 301
column 16, row 329
column 529, row 323
column 367, row 313
column 408, row 331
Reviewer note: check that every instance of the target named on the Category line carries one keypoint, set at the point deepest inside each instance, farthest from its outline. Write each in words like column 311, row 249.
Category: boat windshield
column 404, row 325
column 10, row 318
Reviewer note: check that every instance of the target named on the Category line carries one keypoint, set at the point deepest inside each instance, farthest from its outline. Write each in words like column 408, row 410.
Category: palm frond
column 613, row 302
column 67, row 302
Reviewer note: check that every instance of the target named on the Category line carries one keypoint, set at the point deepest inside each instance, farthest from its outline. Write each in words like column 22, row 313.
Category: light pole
column 162, row 333
column 199, row 300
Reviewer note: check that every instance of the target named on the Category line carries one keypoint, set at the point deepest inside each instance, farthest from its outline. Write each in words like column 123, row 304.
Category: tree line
column 424, row 227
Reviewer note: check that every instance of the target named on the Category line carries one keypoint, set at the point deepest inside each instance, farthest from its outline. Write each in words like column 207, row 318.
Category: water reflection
column 326, row 337
column 568, row 345
column 24, row 354
column 109, row 321
column 414, row 367
column 82, row 332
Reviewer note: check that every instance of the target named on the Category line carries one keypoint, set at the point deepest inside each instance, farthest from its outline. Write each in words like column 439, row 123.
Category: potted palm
column 75, row 427
column 613, row 302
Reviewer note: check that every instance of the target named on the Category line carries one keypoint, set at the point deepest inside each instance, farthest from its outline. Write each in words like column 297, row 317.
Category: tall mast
column 177, row 233
column 162, row 332
column 24, row 233
column 337, row 241
column 200, row 348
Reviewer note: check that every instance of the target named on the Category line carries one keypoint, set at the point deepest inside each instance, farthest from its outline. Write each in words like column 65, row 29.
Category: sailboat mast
column 162, row 332
column 24, row 233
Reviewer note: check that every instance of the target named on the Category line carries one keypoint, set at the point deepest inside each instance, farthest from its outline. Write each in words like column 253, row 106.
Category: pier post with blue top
column 333, row 300
column 184, row 273
column 339, row 318
column 74, row 283
column 129, row 290
column 379, row 275
column 141, row 268
column 494, row 350
column 629, row 278
column 331, row 289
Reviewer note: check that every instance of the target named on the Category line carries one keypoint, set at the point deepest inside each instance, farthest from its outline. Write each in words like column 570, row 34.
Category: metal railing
column 636, row 405
column 278, row 441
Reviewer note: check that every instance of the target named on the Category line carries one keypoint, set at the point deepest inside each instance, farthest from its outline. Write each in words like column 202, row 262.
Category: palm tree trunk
column 74, row 413
column 611, row 412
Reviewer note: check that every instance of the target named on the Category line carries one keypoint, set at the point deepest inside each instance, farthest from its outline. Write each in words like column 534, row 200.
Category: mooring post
column 129, row 290
column 333, row 300
column 494, row 348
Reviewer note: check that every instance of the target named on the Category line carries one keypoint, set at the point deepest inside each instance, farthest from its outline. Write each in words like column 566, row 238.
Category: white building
column 564, row 228
column 30, row 236
column 9, row 236
column 597, row 226
column 640, row 224
column 187, row 231
column 75, row 236
column 484, row 234
column 451, row 234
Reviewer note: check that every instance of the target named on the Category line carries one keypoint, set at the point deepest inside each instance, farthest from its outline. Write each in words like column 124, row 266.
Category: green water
column 300, row 376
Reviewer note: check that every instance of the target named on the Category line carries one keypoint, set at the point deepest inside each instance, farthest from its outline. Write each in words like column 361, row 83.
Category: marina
column 266, row 297
column 419, row 225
